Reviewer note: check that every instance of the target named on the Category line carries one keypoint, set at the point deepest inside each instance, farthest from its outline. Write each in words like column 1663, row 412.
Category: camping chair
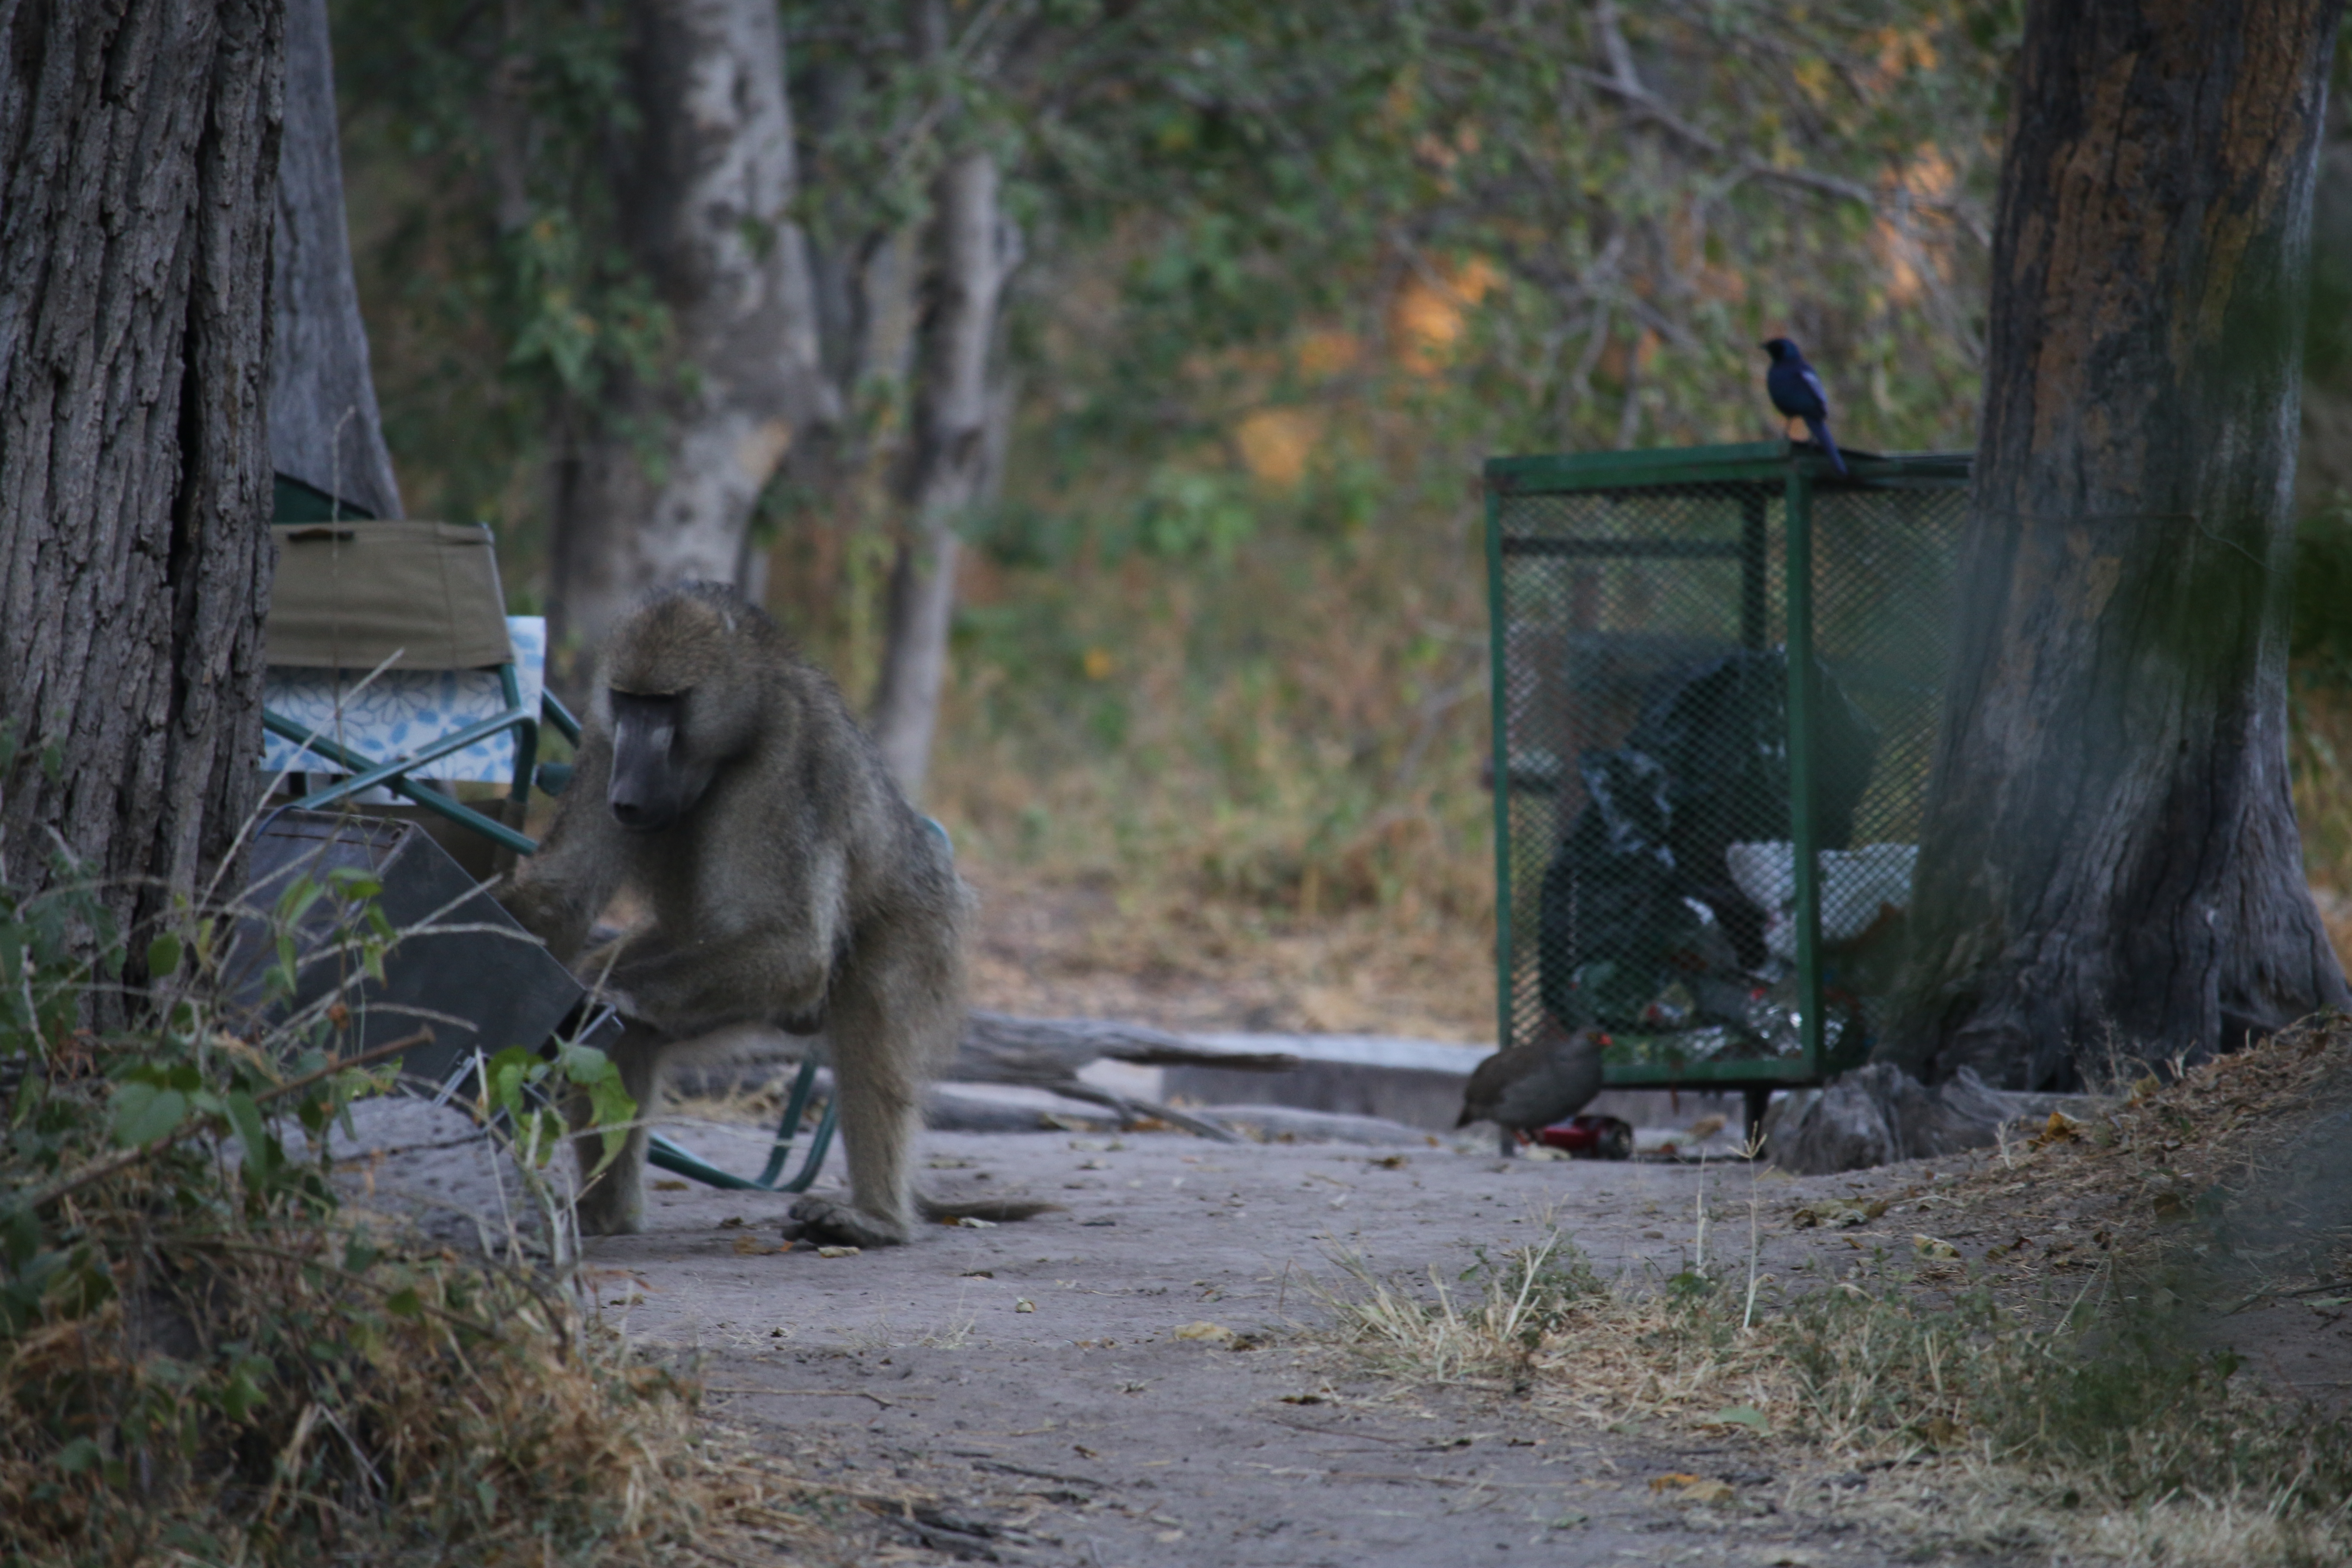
column 457, row 691
column 392, row 661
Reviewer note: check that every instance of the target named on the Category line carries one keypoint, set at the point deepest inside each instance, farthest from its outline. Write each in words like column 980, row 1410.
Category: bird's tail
column 1820, row 431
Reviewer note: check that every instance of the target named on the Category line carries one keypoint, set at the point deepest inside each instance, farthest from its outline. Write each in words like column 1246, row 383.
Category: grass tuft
column 2097, row 1431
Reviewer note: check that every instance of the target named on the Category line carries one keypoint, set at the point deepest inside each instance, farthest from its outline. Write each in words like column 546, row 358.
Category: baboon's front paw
column 822, row 1220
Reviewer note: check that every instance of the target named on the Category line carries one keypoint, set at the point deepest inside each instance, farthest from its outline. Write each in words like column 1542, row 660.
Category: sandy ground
column 1145, row 1377
column 1036, row 1380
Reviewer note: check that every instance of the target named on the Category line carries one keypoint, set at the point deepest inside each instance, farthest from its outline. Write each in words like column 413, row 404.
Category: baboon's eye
column 648, row 715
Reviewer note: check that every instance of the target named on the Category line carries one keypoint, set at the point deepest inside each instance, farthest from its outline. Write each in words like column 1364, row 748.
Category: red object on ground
column 1591, row 1138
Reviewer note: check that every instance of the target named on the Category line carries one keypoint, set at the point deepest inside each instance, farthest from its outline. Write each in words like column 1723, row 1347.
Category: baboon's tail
column 996, row 1210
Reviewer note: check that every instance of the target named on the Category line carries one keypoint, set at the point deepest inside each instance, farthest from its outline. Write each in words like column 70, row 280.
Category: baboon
column 721, row 779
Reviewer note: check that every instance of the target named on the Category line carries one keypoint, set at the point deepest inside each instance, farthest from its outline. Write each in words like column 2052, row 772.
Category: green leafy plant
column 206, row 1350
column 518, row 1084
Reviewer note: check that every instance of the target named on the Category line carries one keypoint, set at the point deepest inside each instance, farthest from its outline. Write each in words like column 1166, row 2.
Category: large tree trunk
column 324, row 429
column 2111, row 851
column 664, row 490
column 952, row 464
column 139, row 142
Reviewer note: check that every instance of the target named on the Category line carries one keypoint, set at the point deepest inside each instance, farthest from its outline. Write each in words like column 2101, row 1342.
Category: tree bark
column 139, row 141
column 664, row 490
column 324, row 428
column 952, row 463
column 2111, row 852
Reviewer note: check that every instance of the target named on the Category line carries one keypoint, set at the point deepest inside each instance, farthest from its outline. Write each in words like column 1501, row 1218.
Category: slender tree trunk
column 664, row 490
column 324, row 428
column 139, row 152
column 864, row 282
column 950, row 467
column 2111, row 850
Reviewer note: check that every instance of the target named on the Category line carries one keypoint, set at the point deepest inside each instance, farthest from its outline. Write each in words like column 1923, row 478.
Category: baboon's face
column 654, row 780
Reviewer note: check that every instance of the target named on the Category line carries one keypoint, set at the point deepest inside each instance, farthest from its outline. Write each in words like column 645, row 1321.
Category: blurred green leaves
column 524, row 1086
column 479, row 148
column 145, row 1111
column 1183, row 514
column 1203, row 182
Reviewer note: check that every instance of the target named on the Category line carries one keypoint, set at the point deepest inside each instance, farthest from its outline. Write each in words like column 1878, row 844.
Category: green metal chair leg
column 661, row 1152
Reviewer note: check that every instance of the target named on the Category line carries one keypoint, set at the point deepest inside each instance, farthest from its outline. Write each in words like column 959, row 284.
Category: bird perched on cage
column 1527, row 1088
column 1797, row 393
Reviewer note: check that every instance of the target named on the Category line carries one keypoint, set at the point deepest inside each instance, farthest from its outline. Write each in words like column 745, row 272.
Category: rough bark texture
column 951, row 465
column 324, row 425
column 2112, row 852
column 665, row 492
column 139, row 141
column 1879, row 1115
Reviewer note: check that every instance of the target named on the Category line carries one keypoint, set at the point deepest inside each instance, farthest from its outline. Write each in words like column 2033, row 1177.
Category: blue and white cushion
column 402, row 711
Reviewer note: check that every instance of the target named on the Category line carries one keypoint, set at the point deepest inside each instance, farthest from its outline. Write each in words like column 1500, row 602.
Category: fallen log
column 998, row 1047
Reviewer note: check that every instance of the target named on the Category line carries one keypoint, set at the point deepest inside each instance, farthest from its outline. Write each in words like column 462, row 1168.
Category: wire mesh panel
column 1717, row 674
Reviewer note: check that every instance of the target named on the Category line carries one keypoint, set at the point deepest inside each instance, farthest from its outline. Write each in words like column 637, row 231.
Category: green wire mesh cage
column 1718, row 673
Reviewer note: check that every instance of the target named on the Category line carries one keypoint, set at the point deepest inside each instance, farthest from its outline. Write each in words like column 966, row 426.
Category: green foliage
column 1182, row 515
column 521, row 1085
column 1292, row 272
column 1823, row 169
column 2322, row 635
column 52, row 949
column 479, row 155
column 202, row 1350
column 1205, row 179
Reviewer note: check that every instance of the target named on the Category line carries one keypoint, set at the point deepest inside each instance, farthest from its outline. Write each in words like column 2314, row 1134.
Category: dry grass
column 1182, row 961
column 1235, row 793
column 1247, row 793
column 2001, row 1405
column 391, row 1410
column 1984, row 1433
column 2235, row 1164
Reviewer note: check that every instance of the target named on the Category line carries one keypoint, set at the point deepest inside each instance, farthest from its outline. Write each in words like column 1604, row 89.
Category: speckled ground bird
column 1527, row 1088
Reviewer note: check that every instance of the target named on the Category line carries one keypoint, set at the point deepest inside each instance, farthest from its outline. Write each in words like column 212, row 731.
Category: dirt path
column 1033, row 1380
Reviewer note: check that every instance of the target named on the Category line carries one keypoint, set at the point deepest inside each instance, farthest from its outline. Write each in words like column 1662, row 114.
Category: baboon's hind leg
column 613, row 1204
column 893, row 1013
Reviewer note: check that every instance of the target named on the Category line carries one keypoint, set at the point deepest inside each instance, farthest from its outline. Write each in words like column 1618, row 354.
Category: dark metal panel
column 490, row 984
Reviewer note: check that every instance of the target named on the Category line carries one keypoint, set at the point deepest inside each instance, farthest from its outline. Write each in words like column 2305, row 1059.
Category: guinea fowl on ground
column 1530, row 1086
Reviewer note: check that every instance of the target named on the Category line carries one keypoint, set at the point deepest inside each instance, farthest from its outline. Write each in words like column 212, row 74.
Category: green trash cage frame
column 1617, row 580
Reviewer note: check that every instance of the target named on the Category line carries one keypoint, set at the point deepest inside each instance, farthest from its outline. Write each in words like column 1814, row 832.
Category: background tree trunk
column 2111, row 850
column 139, row 142
column 665, row 489
column 953, row 462
column 324, row 425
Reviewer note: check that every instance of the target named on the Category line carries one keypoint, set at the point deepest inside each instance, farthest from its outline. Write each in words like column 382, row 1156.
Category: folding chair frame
column 661, row 1152
column 394, row 774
